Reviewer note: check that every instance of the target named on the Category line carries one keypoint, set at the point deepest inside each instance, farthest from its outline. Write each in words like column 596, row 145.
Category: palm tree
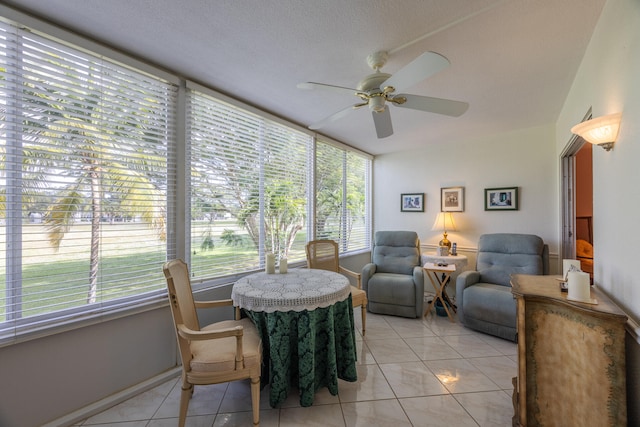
column 284, row 214
column 99, row 170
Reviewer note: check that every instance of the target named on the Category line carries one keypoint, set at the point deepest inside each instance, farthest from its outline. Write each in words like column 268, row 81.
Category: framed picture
column 452, row 199
column 412, row 202
column 501, row 199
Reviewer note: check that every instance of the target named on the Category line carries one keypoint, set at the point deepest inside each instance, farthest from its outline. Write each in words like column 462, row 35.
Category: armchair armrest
column 418, row 280
column 213, row 304
column 357, row 276
column 218, row 303
column 367, row 271
column 190, row 334
column 464, row 280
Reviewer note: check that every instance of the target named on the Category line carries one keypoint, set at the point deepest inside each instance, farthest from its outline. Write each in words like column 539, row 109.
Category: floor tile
column 268, row 418
column 364, row 354
column 432, row 348
column 313, row 416
column 391, row 350
column 191, row 421
column 379, row 329
column 371, row 385
column 408, row 328
column 411, row 372
column 470, row 346
column 205, row 400
column 506, row 347
column 500, row 369
column 140, row 407
column 489, row 409
column 436, row 411
column 460, row 376
column 379, row 413
column 412, row 379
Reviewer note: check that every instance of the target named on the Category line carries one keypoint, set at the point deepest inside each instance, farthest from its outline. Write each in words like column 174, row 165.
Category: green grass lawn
column 131, row 261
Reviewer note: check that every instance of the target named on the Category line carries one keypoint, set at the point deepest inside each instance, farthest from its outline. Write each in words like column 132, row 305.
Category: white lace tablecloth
column 297, row 290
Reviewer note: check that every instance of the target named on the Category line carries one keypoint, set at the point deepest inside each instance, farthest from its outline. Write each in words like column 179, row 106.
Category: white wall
column 523, row 158
column 607, row 81
column 49, row 377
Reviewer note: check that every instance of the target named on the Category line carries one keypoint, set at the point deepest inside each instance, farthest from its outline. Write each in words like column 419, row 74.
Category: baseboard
column 114, row 399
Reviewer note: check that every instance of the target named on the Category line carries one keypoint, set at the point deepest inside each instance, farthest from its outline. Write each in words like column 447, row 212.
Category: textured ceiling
column 513, row 61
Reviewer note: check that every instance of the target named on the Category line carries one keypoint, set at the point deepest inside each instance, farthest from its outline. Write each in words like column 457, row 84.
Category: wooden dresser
column 571, row 357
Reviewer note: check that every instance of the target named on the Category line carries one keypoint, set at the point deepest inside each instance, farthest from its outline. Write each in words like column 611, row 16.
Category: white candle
column 578, row 284
column 283, row 265
column 270, row 263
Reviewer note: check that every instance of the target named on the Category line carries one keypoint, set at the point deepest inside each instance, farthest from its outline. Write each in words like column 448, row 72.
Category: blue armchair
column 483, row 296
column 394, row 280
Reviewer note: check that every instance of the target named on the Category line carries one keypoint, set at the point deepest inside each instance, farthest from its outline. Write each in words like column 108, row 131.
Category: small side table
column 459, row 260
column 439, row 276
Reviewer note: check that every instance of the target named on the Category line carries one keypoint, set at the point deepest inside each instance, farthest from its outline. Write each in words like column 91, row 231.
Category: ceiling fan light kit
column 376, row 102
column 376, row 89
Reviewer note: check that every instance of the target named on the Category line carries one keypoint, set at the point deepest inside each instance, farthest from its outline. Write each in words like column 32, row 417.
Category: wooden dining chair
column 225, row 351
column 323, row 254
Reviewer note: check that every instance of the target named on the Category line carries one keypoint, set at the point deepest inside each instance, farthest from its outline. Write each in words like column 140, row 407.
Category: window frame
column 17, row 327
column 178, row 234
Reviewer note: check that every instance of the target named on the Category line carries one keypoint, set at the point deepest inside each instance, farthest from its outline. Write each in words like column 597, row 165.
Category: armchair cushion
column 501, row 255
column 395, row 252
column 392, row 287
column 220, row 355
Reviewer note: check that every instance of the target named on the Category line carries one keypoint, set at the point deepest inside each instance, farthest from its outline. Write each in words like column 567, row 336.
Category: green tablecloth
column 307, row 349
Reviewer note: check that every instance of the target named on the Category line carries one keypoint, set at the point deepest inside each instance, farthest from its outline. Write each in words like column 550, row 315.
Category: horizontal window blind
column 342, row 189
column 86, row 152
column 248, row 188
column 88, row 184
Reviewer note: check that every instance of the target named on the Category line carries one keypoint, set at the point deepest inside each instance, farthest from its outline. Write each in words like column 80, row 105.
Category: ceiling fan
column 379, row 89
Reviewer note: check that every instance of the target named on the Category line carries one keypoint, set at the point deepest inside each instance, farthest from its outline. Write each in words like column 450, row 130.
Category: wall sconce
column 444, row 222
column 601, row 131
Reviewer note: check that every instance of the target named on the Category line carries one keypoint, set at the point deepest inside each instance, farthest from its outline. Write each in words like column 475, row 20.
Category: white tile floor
column 411, row 372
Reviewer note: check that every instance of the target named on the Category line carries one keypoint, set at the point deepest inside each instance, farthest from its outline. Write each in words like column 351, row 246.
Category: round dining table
column 305, row 320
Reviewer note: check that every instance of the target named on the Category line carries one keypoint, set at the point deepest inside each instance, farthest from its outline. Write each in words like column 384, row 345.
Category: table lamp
column 444, row 222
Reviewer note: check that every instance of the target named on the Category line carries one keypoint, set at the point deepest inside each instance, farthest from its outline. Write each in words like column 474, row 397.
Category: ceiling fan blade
column 322, row 86
column 447, row 107
column 417, row 70
column 382, row 121
column 332, row 118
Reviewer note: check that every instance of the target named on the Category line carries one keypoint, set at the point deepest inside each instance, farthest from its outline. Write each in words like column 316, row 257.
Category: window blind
column 89, row 201
column 248, row 188
column 342, row 196
column 85, row 167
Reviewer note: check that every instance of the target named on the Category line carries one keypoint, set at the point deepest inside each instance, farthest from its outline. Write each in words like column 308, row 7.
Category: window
column 92, row 191
column 249, row 188
column 85, row 157
column 342, row 189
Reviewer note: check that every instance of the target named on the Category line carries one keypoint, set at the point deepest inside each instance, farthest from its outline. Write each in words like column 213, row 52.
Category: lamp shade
column 444, row 222
column 602, row 130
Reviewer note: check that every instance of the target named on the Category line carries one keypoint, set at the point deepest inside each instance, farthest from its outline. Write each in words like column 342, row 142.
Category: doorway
column 577, row 203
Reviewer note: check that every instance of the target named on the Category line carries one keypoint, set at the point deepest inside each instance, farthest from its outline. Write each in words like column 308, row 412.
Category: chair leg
column 255, row 400
column 185, row 396
column 363, row 310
